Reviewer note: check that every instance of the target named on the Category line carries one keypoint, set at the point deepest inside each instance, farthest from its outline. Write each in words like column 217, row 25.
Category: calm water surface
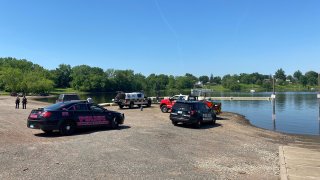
column 295, row 112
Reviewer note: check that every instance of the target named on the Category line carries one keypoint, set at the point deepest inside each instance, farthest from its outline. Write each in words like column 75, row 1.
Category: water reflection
column 319, row 114
column 274, row 114
column 281, row 101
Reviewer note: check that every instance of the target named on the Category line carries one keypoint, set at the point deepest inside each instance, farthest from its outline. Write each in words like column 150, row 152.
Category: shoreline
column 231, row 149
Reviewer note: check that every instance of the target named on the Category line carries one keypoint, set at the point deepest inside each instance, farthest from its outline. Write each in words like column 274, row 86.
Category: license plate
column 33, row 116
column 179, row 112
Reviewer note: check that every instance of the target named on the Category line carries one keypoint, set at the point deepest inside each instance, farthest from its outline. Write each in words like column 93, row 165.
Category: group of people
column 24, row 102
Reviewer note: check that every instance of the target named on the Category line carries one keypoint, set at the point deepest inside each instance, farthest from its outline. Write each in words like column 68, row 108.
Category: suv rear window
column 183, row 106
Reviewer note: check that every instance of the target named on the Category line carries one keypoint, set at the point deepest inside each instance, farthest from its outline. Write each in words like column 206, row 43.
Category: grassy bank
column 66, row 91
column 215, row 88
column 258, row 88
column 2, row 93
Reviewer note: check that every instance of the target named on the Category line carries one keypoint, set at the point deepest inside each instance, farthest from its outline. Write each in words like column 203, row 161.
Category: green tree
column 62, row 76
column 312, row 78
column 204, row 79
column 86, row 78
column 280, row 74
column 297, row 75
column 211, row 79
column 304, row 80
column 231, row 82
column 217, row 80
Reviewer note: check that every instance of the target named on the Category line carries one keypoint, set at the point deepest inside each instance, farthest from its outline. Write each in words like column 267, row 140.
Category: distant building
column 198, row 84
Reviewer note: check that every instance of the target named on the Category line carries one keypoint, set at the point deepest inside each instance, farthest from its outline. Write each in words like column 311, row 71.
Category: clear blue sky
column 165, row 36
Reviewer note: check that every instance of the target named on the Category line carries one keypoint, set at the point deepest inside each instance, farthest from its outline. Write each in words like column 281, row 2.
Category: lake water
column 295, row 112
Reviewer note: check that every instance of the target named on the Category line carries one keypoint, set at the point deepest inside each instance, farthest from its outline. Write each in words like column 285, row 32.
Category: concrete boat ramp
column 300, row 161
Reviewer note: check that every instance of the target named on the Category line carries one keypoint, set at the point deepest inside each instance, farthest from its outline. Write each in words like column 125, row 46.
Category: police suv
column 192, row 112
column 70, row 115
column 132, row 99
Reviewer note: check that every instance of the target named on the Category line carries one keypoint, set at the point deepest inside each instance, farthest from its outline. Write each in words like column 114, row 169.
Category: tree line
column 24, row 76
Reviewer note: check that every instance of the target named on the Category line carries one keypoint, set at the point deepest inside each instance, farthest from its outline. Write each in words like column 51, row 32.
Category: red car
column 166, row 104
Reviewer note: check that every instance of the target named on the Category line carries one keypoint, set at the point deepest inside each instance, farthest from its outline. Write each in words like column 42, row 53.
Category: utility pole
column 318, row 86
column 273, row 97
column 318, row 96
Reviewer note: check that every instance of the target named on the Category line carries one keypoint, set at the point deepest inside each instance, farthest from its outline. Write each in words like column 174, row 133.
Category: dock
column 154, row 99
column 240, row 98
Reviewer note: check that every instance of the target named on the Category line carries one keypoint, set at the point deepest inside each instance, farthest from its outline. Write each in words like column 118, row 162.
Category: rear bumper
column 44, row 125
column 184, row 120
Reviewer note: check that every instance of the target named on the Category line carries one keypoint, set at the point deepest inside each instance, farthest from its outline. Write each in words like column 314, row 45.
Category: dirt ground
column 147, row 146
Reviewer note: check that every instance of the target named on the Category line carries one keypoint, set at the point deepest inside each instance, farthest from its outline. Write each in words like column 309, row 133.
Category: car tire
column 174, row 123
column 67, row 128
column 149, row 103
column 47, row 131
column 121, row 106
column 198, row 124
column 131, row 105
column 214, row 118
column 164, row 109
column 114, row 123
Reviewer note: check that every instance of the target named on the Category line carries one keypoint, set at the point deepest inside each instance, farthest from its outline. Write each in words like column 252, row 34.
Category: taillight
column 46, row 114
column 193, row 112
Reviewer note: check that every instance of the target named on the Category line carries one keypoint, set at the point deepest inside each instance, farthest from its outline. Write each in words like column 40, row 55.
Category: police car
column 192, row 112
column 132, row 99
column 67, row 116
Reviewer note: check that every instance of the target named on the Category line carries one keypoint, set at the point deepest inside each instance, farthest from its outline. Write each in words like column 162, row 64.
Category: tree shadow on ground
column 82, row 131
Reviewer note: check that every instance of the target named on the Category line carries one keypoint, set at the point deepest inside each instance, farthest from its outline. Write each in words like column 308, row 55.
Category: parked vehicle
column 67, row 97
column 192, row 112
column 166, row 104
column 132, row 99
column 216, row 106
column 69, row 115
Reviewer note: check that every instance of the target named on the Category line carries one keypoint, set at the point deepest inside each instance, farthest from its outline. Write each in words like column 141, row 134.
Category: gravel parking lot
column 147, row 146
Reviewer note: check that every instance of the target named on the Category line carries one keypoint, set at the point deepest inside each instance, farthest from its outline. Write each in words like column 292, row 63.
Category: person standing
column 24, row 102
column 17, row 102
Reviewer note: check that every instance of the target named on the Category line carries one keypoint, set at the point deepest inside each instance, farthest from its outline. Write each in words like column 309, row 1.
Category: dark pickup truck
column 68, row 116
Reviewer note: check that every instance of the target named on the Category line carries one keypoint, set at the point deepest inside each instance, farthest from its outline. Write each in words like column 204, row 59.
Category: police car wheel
column 213, row 122
column 198, row 124
column 66, row 128
column 114, row 123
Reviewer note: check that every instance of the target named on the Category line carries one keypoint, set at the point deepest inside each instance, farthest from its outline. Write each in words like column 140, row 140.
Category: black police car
column 192, row 112
column 70, row 115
